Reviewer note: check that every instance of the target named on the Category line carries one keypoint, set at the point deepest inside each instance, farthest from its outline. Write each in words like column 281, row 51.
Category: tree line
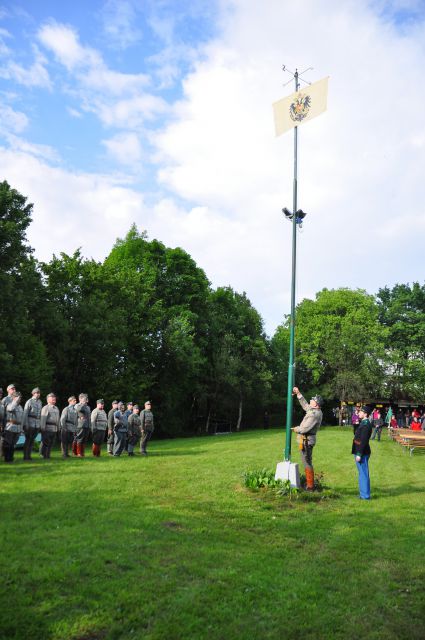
column 146, row 323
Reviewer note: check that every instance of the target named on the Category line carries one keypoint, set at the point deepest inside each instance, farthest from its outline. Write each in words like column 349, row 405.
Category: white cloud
column 43, row 151
column 87, row 63
column 130, row 113
column 74, row 112
column 4, row 35
column 118, row 99
column 35, row 75
column 119, row 23
column 71, row 210
column 125, row 148
column 11, row 120
column 63, row 41
column 100, row 78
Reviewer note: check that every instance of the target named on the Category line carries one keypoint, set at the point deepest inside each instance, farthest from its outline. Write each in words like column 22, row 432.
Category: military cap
column 71, row 398
column 319, row 400
column 147, row 402
column 35, row 390
column 51, row 395
column 367, row 410
column 115, row 401
column 136, row 406
column 101, row 401
column 10, row 386
column 121, row 403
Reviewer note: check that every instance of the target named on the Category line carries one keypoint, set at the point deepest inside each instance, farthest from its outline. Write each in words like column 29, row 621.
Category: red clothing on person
column 416, row 426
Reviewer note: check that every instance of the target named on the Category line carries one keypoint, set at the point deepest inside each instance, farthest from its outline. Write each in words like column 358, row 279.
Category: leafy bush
column 265, row 479
column 260, row 478
column 286, row 489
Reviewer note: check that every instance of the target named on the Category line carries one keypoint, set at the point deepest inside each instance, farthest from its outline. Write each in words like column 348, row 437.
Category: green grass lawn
column 172, row 546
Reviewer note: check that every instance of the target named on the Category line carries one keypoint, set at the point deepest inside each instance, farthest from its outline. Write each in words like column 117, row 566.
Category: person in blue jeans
column 361, row 451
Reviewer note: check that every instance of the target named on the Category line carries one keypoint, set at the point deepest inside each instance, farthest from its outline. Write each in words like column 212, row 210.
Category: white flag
column 301, row 106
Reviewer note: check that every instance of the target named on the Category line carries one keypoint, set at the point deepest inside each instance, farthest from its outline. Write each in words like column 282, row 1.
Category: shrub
column 260, row 478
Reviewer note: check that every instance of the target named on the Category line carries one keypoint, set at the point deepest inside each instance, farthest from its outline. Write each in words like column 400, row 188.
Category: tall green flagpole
column 291, row 364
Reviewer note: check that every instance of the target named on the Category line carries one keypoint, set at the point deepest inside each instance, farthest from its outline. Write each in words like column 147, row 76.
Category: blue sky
column 153, row 42
column 159, row 113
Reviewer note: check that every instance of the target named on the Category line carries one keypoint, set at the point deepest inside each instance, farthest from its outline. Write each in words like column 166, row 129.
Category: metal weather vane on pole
column 289, row 113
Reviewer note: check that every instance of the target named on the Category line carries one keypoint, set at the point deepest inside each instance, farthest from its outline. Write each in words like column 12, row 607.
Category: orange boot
column 309, row 476
column 79, row 450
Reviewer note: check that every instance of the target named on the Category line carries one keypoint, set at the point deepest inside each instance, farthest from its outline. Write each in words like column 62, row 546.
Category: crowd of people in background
column 122, row 428
column 381, row 417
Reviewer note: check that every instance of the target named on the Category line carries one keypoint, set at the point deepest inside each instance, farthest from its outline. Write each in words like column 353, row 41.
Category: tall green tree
column 237, row 355
column 402, row 312
column 80, row 326
column 340, row 341
column 23, row 356
column 163, row 314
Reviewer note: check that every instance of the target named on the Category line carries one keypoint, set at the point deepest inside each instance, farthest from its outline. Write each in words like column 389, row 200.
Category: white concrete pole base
column 288, row 471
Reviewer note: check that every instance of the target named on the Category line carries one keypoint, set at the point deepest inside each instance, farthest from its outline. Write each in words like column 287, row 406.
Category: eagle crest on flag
column 298, row 110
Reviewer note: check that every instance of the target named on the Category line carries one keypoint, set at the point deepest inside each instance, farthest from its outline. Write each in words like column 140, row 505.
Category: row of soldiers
column 121, row 428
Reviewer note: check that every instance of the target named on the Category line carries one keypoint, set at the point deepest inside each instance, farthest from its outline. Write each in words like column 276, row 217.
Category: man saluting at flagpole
column 307, row 430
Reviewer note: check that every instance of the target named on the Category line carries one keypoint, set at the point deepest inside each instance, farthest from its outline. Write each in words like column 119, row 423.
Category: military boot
column 309, row 475
column 27, row 449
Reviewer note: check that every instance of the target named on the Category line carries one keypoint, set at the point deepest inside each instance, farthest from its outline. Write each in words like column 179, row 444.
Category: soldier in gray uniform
column 69, row 425
column 307, row 430
column 129, row 409
column 2, row 412
column 147, row 427
column 99, row 425
column 31, row 421
column 49, row 425
column 5, row 401
column 83, row 430
column 13, row 426
column 134, row 424
column 120, row 429
column 128, row 413
column 110, row 441
column 9, row 398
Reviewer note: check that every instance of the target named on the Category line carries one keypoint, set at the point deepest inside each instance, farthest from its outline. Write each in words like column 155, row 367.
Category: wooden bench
column 412, row 441
column 395, row 434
